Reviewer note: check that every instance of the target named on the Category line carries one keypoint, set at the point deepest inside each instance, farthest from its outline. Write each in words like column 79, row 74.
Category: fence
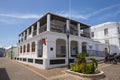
column 96, row 53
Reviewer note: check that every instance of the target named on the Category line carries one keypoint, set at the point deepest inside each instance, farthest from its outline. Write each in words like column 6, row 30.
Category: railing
column 74, row 32
column 42, row 29
column 35, row 33
column 57, row 28
column 96, row 53
column 25, row 38
column 85, row 34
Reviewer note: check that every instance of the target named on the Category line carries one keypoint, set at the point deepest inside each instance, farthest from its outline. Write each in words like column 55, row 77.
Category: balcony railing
column 85, row 34
column 42, row 29
column 74, row 32
column 35, row 33
column 57, row 28
column 25, row 38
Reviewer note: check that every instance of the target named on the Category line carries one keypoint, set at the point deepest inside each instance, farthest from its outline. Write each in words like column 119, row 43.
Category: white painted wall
column 113, row 35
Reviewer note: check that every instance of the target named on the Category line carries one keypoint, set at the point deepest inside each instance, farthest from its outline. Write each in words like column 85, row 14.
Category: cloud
column 74, row 15
column 20, row 16
column 102, row 10
column 77, row 15
column 9, row 21
column 14, row 18
column 109, row 15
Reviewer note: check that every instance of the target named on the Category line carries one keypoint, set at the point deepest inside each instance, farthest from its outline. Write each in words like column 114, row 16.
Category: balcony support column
column 24, row 35
column 78, row 30
column 67, row 25
column 32, row 30
column 27, row 32
column 48, row 22
column 38, row 26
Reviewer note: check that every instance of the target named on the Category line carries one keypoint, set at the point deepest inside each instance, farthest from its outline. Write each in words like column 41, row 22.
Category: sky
column 17, row 15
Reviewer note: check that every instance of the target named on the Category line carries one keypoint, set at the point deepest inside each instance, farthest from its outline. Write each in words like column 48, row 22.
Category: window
column 106, row 41
column 24, row 49
column 21, row 49
column 92, row 34
column 28, row 47
column 33, row 46
column 106, row 31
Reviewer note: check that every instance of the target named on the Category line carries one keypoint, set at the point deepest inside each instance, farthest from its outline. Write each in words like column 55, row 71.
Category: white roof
column 103, row 24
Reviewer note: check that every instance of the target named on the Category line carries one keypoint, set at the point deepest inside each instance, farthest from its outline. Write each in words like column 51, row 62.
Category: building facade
column 44, row 44
column 108, row 33
column 2, row 52
column 12, row 52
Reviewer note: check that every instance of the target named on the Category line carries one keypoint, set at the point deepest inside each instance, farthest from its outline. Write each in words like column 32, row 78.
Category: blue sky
column 16, row 15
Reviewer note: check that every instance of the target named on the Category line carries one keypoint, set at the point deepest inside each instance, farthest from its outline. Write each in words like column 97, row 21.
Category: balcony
column 58, row 28
column 85, row 34
column 74, row 32
column 25, row 38
column 34, row 33
column 43, row 28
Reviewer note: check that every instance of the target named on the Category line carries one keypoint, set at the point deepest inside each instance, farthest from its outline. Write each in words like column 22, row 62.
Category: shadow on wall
column 3, row 74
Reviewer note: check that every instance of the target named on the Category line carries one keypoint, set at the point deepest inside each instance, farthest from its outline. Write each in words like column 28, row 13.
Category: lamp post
column 109, row 48
column 68, row 33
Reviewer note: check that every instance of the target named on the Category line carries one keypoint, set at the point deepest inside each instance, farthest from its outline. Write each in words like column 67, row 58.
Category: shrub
column 81, row 58
column 76, row 68
column 83, row 67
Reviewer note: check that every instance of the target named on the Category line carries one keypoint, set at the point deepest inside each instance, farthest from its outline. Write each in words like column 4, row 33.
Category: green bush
column 81, row 58
column 83, row 67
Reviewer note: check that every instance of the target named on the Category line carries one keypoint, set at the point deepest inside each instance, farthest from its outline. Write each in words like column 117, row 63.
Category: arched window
column 33, row 46
column 20, row 49
column 24, row 49
column 28, row 47
column 60, row 48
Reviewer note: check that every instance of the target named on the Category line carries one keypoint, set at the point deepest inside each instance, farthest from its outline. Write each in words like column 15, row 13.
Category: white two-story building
column 108, row 33
column 44, row 44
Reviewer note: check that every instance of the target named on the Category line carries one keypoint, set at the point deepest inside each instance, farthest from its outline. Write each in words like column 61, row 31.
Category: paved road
column 112, row 71
column 9, row 70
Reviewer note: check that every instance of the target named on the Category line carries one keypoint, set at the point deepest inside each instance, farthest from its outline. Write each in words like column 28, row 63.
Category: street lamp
column 67, row 34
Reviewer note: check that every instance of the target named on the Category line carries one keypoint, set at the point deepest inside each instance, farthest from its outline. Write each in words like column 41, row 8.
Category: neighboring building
column 44, row 44
column 2, row 52
column 12, row 52
column 108, row 33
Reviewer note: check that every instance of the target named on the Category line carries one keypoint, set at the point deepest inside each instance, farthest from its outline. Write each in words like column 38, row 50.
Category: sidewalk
column 9, row 70
column 111, row 71
column 51, row 74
